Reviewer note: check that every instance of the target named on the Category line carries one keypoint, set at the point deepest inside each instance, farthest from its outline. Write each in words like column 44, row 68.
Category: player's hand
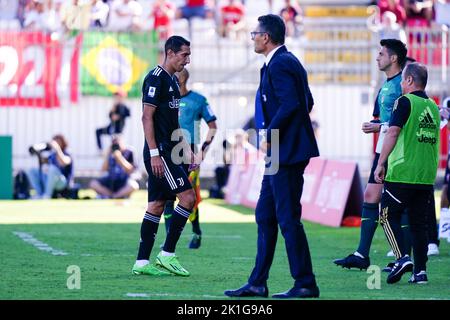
column 369, row 127
column 379, row 173
column 116, row 154
column 54, row 145
column 193, row 167
column 264, row 146
column 196, row 159
column 157, row 166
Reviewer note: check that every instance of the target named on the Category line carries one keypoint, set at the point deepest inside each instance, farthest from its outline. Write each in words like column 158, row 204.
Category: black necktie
column 263, row 70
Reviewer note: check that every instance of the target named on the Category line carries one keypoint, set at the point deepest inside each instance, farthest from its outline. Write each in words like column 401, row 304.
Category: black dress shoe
column 298, row 293
column 248, row 291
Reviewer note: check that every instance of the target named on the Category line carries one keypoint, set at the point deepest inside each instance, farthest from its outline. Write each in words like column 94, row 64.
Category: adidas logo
column 170, row 89
column 427, row 122
column 426, row 119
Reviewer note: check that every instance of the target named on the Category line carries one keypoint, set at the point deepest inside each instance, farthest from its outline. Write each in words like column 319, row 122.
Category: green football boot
column 151, row 270
column 171, row 264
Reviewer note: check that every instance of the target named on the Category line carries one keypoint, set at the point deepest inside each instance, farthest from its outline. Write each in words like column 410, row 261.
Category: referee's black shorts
column 175, row 180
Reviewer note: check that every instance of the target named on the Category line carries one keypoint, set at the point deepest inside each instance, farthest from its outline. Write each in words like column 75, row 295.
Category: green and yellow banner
column 116, row 61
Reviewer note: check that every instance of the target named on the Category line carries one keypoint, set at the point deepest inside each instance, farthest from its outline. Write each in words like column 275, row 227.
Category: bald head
column 415, row 77
column 418, row 72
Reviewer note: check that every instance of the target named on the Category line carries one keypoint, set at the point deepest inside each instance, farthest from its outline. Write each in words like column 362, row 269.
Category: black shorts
column 374, row 166
column 113, row 184
column 395, row 199
column 175, row 181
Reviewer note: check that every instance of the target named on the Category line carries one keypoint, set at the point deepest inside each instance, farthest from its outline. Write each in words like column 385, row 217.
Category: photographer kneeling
column 119, row 165
column 55, row 171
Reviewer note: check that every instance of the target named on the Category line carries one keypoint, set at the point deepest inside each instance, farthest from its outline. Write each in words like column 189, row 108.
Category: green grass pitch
column 104, row 252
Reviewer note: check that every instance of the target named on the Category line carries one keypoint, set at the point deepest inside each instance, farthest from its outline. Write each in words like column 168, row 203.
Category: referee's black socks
column 196, row 222
column 369, row 223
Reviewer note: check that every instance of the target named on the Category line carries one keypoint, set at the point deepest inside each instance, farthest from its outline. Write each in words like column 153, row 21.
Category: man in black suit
column 285, row 103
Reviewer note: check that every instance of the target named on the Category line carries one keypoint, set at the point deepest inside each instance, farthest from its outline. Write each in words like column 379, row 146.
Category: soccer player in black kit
column 166, row 177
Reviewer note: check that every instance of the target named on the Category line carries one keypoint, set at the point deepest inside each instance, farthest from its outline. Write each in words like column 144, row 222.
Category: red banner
column 30, row 65
column 252, row 188
column 339, row 193
column 312, row 177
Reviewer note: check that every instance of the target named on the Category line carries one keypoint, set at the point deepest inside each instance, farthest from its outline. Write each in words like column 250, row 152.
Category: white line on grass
column 39, row 244
column 106, row 255
column 231, row 236
column 149, row 295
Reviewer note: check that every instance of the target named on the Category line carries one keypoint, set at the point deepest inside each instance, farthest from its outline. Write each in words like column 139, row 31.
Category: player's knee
column 155, row 207
column 133, row 184
column 372, row 196
column 369, row 198
column 187, row 200
column 93, row 184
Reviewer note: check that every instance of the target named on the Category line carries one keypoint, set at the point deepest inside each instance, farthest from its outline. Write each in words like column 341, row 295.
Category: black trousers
column 279, row 206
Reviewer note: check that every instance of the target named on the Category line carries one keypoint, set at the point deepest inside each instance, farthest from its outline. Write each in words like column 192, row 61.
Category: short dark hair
column 418, row 72
column 274, row 26
column 175, row 43
column 396, row 47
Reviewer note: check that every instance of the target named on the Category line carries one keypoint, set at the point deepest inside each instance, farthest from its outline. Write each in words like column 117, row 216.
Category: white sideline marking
column 223, row 237
column 137, row 295
column 39, row 244
column 105, row 255
column 149, row 295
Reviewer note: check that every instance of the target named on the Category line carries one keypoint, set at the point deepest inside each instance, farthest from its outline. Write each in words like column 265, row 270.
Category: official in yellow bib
column 411, row 150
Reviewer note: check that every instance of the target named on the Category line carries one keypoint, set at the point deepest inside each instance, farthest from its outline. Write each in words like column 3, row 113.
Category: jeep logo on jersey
column 175, row 103
column 427, row 122
column 426, row 137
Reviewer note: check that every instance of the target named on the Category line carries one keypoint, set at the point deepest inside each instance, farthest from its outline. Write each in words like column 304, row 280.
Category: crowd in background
column 392, row 16
column 389, row 19
column 132, row 15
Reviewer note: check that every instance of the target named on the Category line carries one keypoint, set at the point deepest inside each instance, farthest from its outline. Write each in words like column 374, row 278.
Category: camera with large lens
column 38, row 148
column 115, row 146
